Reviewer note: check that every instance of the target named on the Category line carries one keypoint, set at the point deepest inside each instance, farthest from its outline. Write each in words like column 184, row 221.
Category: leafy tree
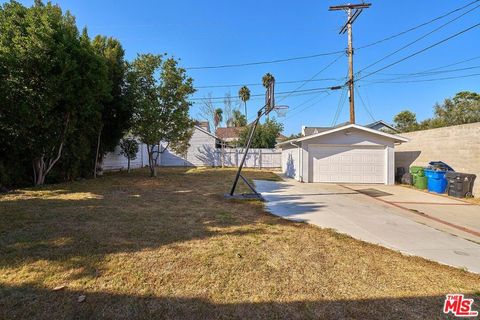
column 129, row 149
column 244, row 95
column 51, row 83
column 463, row 108
column 160, row 90
column 239, row 119
column 405, row 121
column 265, row 136
column 117, row 110
column 217, row 117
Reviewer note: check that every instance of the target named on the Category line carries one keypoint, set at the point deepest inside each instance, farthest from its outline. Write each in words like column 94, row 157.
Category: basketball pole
column 265, row 110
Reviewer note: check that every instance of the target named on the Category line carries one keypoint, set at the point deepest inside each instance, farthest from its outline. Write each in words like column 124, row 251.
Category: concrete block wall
column 458, row 146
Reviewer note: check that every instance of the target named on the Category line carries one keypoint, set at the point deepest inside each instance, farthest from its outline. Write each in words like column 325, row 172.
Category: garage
column 346, row 154
column 347, row 164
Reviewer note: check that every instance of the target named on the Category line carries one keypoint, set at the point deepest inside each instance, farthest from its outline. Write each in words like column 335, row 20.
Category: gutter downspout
column 300, row 160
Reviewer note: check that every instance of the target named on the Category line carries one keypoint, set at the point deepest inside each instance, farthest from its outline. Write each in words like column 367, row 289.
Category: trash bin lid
column 440, row 165
column 416, row 169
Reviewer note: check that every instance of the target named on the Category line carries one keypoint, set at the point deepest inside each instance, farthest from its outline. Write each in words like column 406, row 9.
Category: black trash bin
column 460, row 185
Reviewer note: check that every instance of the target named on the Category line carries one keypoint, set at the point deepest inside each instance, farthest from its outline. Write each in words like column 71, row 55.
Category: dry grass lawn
column 172, row 247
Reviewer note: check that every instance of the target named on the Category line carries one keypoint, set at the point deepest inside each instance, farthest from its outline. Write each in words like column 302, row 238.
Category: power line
column 425, row 74
column 420, row 51
column 339, row 109
column 416, row 27
column 266, row 62
column 313, row 77
column 323, row 54
column 427, row 80
column 364, row 105
column 279, row 93
column 261, row 84
column 417, row 40
column 326, row 94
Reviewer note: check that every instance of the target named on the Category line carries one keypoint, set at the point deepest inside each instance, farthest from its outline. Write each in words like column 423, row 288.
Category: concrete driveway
column 363, row 217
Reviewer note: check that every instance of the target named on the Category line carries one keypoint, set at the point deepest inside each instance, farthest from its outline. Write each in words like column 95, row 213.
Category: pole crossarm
column 350, row 6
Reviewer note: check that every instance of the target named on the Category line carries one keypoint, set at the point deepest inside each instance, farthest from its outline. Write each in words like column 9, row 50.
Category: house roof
column 307, row 131
column 383, row 123
column 397, row 138
column 205, row 131
column 203, row 124
column 228, row 132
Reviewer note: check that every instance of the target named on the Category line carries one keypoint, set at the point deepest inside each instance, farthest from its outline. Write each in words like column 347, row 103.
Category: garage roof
column 394, row 137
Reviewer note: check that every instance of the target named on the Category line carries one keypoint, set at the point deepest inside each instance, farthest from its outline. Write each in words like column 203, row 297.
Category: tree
column 244, row 95
column 52, row 83
column 207, row 110
column 117, row 110
column 239, row 119
column 405, row 121
column 160, row 105
column 217, row 117
column 228, row 109
column 267, row 79
column 463, row 108
column 129, row 149
column 265, row 136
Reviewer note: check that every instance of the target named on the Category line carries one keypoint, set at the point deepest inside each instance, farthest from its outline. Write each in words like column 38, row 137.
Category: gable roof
column 349, row 126
column 383, row 123
column 205, row 131
column 228, row 132
column 307, row 131
column 203, row 124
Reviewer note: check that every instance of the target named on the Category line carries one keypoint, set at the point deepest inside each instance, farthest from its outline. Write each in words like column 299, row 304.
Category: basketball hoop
column 281, row 111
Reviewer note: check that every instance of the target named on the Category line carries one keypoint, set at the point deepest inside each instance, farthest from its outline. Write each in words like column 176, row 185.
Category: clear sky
column 210, row 33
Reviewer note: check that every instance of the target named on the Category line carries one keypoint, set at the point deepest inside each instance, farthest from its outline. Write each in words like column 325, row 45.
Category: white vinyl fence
column 256, row 158
column 209, row 157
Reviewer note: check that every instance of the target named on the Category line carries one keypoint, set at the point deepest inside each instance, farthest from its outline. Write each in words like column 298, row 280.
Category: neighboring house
column 382, row 126
column 347, row 154
column 201, row 152
column 377, row 125
column 229, row 134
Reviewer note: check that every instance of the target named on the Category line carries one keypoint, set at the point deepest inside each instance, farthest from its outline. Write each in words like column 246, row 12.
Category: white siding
column 200, row 153
column 115, row 161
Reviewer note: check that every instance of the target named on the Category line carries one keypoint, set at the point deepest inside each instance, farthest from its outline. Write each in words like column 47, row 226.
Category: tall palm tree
column 266, row 79
column 244, row 94
column 217, row 117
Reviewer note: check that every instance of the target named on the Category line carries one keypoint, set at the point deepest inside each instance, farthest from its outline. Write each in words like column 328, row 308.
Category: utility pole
column 347, row 27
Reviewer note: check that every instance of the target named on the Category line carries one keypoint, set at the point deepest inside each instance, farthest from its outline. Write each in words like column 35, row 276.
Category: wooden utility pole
column 347, row 27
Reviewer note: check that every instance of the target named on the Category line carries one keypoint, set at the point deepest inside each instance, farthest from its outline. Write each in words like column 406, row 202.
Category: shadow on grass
column 15, row 302
column 78, row 224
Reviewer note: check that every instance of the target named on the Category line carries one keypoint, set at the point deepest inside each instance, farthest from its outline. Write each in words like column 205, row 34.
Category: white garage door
column 347, row 164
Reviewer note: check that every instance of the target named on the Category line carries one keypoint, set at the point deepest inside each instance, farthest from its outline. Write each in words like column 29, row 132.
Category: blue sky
column 206, row 33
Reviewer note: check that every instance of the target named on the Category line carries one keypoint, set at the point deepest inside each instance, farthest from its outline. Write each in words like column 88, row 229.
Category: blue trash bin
column 436, row 181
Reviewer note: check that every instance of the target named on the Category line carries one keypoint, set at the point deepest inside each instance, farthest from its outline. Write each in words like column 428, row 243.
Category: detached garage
column 347, row 154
